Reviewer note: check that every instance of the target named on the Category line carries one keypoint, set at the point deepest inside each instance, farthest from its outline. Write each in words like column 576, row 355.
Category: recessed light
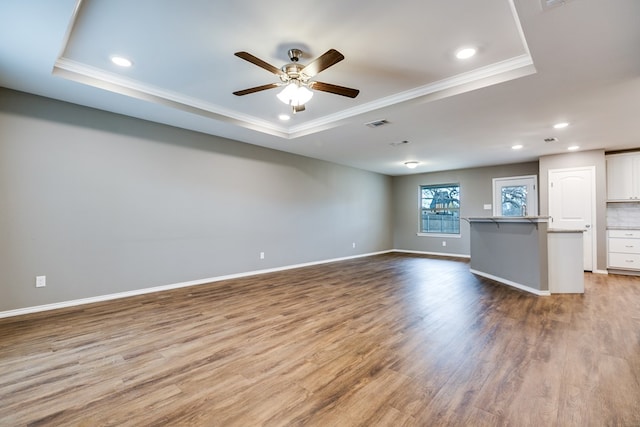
column 561, row 125
column 573, row 148
column 411, row 165
column 284, row 117
column 121, row 61
column 465, row 53
column 517, row 147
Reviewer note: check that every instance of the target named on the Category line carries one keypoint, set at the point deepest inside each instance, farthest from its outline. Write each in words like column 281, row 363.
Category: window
column 515, row 196
column 440, row 209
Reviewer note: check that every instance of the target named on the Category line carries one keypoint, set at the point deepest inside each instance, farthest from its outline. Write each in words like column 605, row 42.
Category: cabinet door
column 635, row 176
column 624, row 246
column 620, row 177
column 624, row 261
column 624, row 234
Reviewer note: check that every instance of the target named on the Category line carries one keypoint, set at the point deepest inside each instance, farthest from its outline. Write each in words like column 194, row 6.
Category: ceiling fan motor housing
column 294, row 55
column 292, row 72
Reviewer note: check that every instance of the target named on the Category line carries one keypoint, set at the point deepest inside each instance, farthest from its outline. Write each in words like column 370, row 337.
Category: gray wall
column 476, row 190
column 101, row 204
column 573, row 160
column 512, row 251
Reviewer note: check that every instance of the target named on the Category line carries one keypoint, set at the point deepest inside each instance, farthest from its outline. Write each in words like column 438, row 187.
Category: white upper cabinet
column 623, row 177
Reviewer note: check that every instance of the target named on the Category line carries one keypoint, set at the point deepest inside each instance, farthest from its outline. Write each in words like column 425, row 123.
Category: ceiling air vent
column 548, row 4
column 551, row 140
column 377, row 123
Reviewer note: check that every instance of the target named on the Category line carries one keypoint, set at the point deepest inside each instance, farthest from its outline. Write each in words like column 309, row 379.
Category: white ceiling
column 576, row 62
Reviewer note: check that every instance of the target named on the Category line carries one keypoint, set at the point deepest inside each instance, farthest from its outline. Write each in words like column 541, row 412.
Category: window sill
column 439, row 235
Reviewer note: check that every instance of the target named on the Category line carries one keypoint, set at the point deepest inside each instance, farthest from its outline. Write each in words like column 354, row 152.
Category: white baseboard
column 623, row 272
column 600, row 272
column 512, row 283
column 102, row 298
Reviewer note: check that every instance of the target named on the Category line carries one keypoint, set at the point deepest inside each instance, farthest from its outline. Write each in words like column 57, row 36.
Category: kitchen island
column 524, row 253
column 511, row 250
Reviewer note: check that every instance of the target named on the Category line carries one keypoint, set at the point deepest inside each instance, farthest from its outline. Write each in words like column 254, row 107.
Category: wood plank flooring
column 390, row 340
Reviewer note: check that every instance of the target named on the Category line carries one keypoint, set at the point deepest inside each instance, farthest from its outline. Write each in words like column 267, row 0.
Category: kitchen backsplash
column 623, row 214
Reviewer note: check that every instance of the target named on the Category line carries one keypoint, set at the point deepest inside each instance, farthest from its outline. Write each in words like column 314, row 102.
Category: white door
column 515, row 196
column 572, row 205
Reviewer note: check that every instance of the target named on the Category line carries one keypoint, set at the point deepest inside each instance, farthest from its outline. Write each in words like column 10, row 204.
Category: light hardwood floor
column 389, row 340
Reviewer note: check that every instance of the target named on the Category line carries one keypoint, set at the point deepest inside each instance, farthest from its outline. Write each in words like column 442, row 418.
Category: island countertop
column 507, row 218
column 623, row 227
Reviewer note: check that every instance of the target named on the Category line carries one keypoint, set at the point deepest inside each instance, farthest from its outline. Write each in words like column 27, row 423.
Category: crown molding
column 499, row 72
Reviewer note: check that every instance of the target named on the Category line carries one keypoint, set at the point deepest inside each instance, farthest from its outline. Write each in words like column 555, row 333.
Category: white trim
column 407, row 251
column 512, row 283
column 423, row 93
column 624, row 272
column 522, row 180
column 594, row 203
column 453, row 236
column 516, row 19
column 504, row 70
column 136, row 292
column 99, row 78
column 501, row 71
column 72, row 24
column 600, row 272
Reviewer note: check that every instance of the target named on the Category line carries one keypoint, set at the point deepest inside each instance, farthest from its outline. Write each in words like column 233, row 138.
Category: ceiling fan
column 297, row 78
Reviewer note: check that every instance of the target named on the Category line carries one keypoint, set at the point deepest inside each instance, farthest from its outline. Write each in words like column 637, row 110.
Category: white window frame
column 434, row 234
column 530, row 181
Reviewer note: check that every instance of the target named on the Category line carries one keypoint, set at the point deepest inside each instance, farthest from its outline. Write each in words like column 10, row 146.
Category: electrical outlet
column 261, row 255
column 41, row 281
column 444, row 243
column 487, row 207
column 353, row 245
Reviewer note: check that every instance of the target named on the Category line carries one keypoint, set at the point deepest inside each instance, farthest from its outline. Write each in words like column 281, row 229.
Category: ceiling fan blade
column 260, row 63
column 256, row 89
column 326, row 60
column 338, row 90
column 298, row 108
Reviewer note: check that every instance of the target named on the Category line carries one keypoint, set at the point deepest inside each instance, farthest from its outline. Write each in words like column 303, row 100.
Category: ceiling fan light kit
column 295, row 94
column 297, row 78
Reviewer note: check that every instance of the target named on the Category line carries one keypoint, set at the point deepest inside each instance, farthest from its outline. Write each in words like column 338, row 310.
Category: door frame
column 532, row 196
column 594, row 228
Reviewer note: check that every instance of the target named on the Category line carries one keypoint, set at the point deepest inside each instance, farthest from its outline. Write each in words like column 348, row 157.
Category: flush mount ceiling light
column 297, row 78
column 573, row 148
column 411, row 165
column 121, row 61
column 561, row 125
column 398, row 143
column 284, row 117
column 466, row 52
column 517, row 147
